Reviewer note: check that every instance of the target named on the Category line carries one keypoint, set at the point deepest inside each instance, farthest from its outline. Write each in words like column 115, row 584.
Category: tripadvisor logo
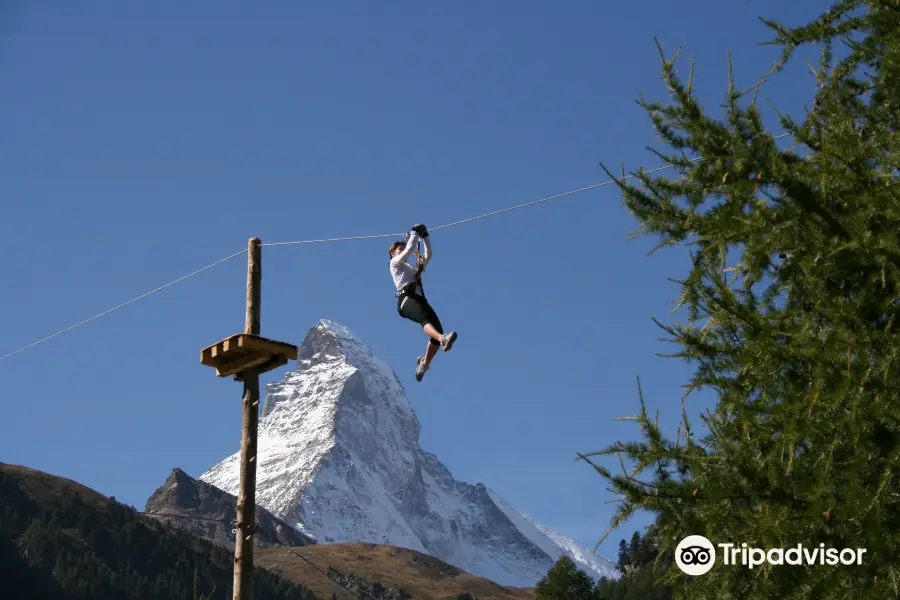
column 695, row 555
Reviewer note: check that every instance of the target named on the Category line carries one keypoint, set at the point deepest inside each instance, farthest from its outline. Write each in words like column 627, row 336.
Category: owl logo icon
column 695, row 555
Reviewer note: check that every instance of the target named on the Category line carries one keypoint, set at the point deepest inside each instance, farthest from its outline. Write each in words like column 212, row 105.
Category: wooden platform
column 234, row 355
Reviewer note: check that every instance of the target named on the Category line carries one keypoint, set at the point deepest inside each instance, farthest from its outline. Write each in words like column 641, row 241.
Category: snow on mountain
column 339, row 458
column 551, row 542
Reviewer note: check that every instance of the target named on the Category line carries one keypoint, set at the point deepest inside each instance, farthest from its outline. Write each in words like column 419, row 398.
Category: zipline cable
column 342, row 239
column 533, row 202
column 504, row 210
column 106, row 312
column 484, row 216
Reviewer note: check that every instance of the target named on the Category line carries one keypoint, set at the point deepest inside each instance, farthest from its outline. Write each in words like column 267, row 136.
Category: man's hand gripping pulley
column 421, row 231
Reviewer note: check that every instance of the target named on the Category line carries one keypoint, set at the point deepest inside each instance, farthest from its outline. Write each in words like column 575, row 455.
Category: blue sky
column 146, row 140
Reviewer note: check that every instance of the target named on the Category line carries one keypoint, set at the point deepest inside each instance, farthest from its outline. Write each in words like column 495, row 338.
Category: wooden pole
column 246, row 507
column 254, row 278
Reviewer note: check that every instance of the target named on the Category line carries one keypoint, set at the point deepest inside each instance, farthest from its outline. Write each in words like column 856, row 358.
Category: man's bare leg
column 431, row 332
column 430, row 352
column 432, row 349
column 439, row 338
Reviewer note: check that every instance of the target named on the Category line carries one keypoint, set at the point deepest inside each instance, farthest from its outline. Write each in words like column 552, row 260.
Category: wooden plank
column 225, row 353
column 207, row 352
column 272, row 347
column 215, row 356
column 221, row 352
column 273, row 363
column 232, row 346
column 206, row 357
column 240, row 364
column 276, row 361
column 252, row 342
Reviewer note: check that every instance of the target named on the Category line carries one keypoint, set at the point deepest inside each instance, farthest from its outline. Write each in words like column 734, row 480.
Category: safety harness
column 415, row 288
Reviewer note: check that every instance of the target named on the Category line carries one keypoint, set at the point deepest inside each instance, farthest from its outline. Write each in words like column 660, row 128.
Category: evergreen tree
column 791, row 302
column 202, row 596
column 642, row 579
column 624, row 560
column 649, row 545
column 69, row 548
column 634, row 549
column 565, row 581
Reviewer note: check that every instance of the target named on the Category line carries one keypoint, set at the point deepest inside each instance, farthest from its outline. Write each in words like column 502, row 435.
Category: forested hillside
column 62, row 541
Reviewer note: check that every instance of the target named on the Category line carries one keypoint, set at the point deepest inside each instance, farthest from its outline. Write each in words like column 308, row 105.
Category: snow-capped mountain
column 339, row 458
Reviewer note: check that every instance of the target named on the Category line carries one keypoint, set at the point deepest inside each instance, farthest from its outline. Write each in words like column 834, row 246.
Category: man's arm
column 426, row 258
column 422, row 231
column 410, row 246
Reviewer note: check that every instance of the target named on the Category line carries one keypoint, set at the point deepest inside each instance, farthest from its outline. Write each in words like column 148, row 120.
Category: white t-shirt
column 403, row 272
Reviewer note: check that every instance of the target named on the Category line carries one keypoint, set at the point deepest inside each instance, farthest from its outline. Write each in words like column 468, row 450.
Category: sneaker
column 421, row 367
column 447, row 340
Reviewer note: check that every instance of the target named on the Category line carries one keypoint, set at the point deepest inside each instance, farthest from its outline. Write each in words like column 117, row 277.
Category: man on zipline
column 411, row 303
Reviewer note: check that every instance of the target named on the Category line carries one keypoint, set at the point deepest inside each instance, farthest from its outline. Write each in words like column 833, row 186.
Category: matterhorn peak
column 339, row 459
column 329, row 340
column 334, row 366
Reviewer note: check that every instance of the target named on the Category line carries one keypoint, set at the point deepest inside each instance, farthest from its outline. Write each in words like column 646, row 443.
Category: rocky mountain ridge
column 205, row 511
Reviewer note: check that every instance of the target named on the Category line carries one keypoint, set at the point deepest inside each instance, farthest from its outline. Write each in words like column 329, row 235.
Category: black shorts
column 416, row 309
